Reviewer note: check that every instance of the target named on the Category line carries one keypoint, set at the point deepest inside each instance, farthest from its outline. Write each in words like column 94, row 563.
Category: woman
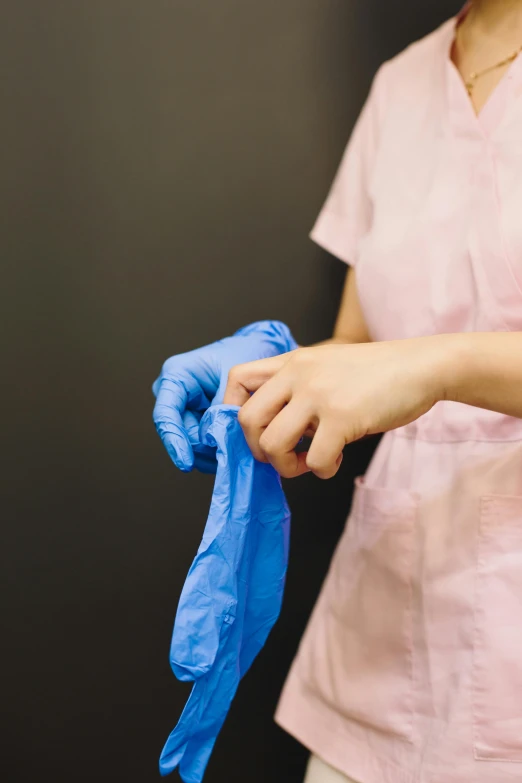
column 410, row 670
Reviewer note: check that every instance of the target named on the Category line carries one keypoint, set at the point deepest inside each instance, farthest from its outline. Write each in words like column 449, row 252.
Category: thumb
column 245, row 379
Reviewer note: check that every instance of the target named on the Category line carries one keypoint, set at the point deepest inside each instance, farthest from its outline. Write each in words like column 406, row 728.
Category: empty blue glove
column 233, row 592
column 190, row 382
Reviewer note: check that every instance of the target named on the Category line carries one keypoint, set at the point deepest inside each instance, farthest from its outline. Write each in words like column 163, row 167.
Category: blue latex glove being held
column 190, row 382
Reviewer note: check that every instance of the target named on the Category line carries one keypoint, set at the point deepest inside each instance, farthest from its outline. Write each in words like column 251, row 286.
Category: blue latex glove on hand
column 190, row 382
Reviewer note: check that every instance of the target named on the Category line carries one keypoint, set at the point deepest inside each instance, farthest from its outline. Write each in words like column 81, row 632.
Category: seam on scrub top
column 488, row 508
column 457, row 440
column 413, row 518
column 478, row 570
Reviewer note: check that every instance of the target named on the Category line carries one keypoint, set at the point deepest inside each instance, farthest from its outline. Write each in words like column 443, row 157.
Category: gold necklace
column 472, row 78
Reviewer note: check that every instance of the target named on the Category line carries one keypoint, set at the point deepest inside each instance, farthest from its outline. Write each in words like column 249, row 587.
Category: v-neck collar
column 464, row 120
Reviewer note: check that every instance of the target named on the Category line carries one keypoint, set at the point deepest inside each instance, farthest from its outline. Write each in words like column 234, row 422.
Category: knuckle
column 234, row 373
column 268, row 445
column 245, row 418
column 315, row 464
column 163, row 430
column 321, row 467
column 167, row 367
column 301, row 356
column 338, row 413
column 357, row 428
column 161, row 416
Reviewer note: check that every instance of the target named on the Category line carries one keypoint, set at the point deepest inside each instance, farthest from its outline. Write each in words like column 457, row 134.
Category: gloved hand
column 190, row 382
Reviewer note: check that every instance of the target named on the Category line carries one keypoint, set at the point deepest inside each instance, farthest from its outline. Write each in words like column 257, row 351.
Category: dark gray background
column 161, row 165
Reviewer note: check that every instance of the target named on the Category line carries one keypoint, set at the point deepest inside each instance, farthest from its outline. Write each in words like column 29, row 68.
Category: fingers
column 326, row 451
column 244, row 379
column 204, row 456
column 259, row 410
column 274, row 421
column 171, row 400
column 191, row 426
column 278, row 441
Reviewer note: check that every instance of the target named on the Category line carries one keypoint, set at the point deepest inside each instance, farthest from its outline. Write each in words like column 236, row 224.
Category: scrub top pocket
column 370, row 609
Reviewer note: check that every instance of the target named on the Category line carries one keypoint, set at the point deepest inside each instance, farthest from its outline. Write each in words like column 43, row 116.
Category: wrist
column 451, row 366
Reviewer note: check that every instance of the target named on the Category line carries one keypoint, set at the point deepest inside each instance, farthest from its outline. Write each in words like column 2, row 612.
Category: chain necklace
column 472, row 78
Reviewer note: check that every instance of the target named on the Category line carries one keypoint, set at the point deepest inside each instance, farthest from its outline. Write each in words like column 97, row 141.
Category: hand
column 190, row 382
column 338, row 394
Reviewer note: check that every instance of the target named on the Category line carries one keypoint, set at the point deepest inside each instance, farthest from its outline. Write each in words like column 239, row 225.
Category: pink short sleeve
column 347, row 213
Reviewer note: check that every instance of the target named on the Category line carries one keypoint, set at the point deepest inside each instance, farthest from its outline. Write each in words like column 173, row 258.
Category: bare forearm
column 333, row 341
column 337, row 340
column 483, row 369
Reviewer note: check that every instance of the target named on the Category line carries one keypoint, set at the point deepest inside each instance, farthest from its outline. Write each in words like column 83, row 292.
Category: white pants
column 319, row 772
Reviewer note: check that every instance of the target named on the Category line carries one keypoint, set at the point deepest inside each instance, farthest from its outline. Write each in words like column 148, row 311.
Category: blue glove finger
column 156, row 385
column 204, row 456
column 191, row 420
column 171, row 401
column 276, row 332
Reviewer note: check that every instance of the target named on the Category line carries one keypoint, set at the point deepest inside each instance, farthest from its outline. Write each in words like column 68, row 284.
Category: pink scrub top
column 410, row 670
